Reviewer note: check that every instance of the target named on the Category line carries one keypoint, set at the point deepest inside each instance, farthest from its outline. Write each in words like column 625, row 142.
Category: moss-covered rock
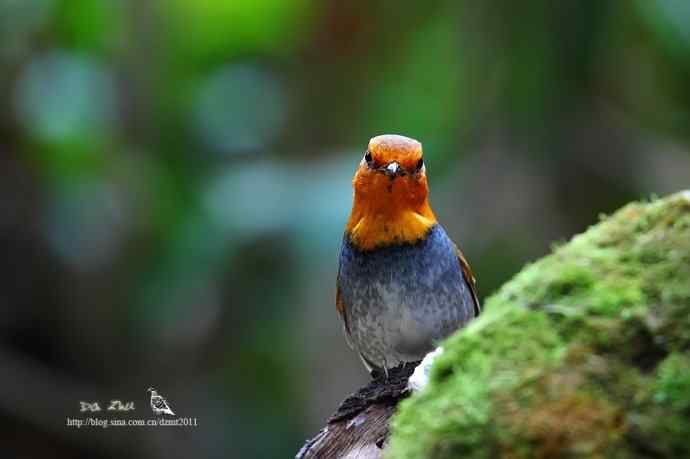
column 585, row 353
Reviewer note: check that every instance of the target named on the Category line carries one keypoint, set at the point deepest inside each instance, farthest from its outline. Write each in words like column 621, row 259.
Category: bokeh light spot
column 61, row 96
column 86, row 224
column 240, row 109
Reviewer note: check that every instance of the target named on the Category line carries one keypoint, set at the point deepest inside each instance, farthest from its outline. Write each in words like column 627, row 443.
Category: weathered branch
column 359, row 428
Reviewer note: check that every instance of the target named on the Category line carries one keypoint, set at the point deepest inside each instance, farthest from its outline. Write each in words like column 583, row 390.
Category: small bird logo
column 402, row 284
column 159, row 404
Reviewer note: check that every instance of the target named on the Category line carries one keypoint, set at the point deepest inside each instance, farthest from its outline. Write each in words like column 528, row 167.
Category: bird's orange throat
column 388, row 211
column 371, row 232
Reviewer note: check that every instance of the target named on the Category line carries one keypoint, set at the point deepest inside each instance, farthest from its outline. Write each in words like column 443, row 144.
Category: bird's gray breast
column 400, row 300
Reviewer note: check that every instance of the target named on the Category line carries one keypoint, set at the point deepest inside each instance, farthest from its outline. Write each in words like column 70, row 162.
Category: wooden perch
column 359, row 428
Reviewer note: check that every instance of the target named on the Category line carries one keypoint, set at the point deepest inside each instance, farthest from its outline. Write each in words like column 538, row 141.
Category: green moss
column 584, row 353
column 672, row 386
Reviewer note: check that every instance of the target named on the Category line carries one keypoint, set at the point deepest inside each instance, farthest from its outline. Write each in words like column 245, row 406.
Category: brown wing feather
column 469, row 277
column 340, row 307
column 342, row 312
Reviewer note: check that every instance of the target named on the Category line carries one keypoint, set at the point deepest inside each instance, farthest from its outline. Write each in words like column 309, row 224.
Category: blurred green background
column 175, row 178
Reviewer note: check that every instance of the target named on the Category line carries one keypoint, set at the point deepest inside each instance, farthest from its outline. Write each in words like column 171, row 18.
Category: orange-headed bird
column 402, row 285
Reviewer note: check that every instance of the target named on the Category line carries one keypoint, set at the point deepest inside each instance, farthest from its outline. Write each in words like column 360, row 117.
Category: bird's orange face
column 390, row 194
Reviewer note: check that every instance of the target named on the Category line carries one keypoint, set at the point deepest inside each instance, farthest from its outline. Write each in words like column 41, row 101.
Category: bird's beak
column 392, row 169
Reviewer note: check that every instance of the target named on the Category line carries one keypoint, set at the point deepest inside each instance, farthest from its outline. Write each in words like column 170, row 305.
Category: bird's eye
column 367, row 157
column 420, row 164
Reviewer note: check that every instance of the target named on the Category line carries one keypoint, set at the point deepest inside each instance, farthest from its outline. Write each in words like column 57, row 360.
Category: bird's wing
column 469, row 278
column 158, row 403
column 162, row 404
column 342, row 312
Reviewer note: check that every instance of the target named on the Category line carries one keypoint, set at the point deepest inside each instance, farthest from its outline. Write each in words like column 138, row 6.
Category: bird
column 402, row 284
column 159, row 404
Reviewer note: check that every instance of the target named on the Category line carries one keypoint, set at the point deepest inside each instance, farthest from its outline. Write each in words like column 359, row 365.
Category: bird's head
column 390, row 194
column 150, row 389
